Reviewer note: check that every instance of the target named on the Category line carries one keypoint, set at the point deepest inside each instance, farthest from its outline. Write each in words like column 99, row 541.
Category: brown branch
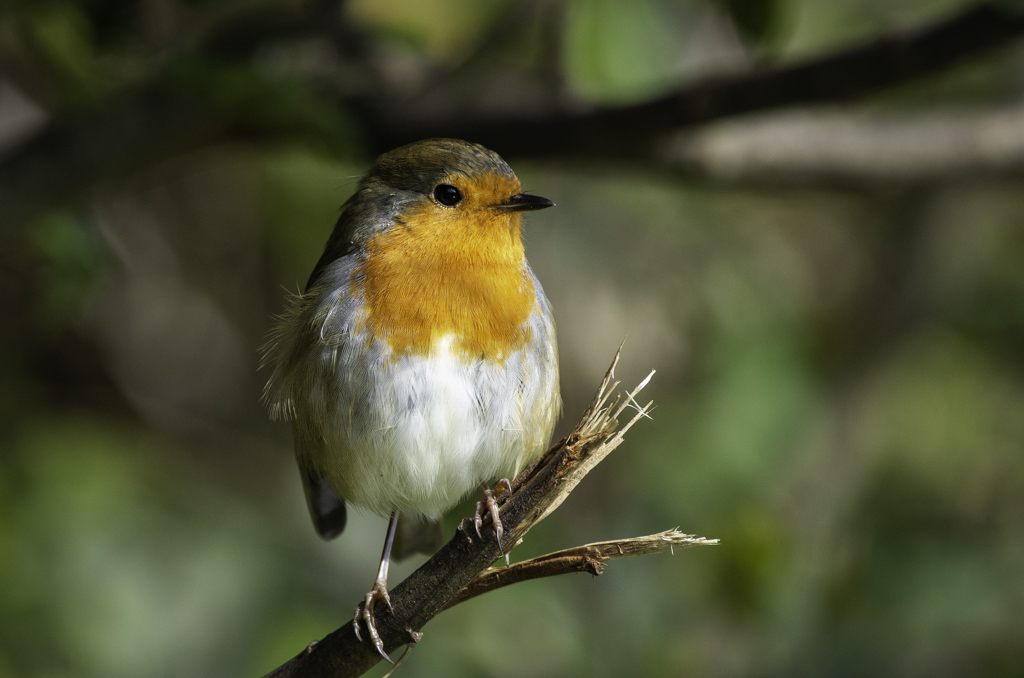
column 839, row 149
column 847, row 74
column 428, row 590
column 587, row 558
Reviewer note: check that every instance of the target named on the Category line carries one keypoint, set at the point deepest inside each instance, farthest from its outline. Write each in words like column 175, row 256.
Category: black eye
column 447, row 195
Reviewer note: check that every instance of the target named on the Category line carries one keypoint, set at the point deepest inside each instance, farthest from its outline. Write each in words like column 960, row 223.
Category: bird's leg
column 364, row 611
column 490, row 504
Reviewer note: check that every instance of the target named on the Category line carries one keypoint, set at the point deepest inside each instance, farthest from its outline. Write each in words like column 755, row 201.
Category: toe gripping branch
column 491, row 505
column 364, row 614
column 364, row 611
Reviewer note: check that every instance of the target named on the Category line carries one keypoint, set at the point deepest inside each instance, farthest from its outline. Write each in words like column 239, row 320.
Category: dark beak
column 522, row 202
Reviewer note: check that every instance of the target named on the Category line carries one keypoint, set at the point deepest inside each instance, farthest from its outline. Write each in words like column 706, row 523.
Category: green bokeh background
column 840, row 386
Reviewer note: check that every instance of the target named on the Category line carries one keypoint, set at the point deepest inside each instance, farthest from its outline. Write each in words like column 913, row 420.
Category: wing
column 326, row 508
column 299, row 351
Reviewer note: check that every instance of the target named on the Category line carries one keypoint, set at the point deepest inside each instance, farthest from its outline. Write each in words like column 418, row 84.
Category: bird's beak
column 522, row 202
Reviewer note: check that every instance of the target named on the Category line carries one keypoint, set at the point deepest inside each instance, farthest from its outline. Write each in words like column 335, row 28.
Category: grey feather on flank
column 278, row 354
column 309, row 320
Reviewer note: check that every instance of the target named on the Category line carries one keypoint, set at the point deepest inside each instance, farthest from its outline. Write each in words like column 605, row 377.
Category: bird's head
column 445, row 185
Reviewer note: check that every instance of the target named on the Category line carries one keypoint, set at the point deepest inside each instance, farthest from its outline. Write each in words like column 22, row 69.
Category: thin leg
column 379, row 591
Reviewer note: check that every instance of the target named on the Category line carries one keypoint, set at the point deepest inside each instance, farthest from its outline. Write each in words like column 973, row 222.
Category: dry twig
column 587, row 558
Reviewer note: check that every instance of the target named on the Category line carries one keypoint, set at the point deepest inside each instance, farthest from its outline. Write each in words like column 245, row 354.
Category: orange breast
column 457, row 272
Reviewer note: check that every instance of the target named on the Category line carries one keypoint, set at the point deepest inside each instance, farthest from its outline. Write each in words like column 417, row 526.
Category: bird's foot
column 490, row 505
column 364, row 613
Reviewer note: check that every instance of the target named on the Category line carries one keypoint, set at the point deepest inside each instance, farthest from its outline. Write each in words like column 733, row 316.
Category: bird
column 420, row 361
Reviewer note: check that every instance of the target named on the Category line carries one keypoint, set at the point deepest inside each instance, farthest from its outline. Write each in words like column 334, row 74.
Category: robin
column 420, row 362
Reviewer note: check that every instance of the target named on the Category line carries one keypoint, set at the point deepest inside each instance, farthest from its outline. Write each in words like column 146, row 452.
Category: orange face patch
column 451, row 271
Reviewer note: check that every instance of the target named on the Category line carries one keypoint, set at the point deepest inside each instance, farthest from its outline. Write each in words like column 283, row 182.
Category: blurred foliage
column 603, row 59
column 444, row 29
column 840, row 378
column 761, row 22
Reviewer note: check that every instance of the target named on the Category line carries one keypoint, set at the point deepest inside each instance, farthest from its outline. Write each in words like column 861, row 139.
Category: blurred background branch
column 631, row 130
column 842, row 149
column 207, row 91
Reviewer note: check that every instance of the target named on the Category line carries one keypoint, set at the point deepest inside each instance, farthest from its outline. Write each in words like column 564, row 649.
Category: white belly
column 417, row 435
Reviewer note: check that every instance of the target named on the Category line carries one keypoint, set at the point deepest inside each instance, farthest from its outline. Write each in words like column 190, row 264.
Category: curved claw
column 365, row 613
column 478, row 518
column 355, row 624
column 499, row 529
column 490, row 504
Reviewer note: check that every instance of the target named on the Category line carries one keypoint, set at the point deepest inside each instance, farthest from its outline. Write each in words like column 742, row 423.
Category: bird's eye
column 447, row 195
